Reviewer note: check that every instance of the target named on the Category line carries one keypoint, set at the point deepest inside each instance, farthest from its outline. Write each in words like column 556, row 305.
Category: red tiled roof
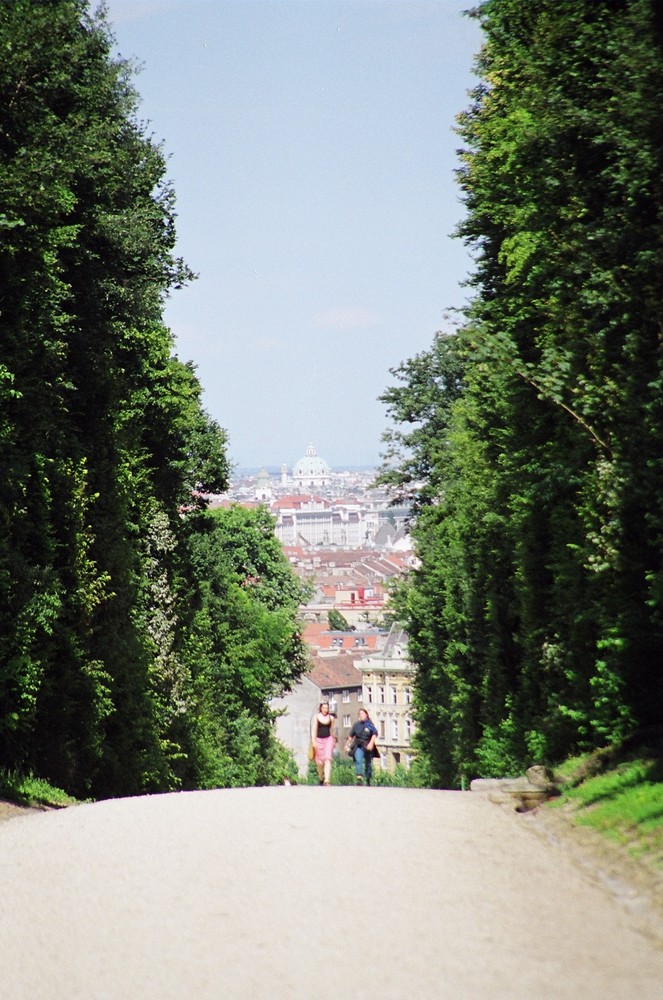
column 349, row 641
column 335, row 672
column 297, row 500
column 313, row 630
column 340, row 557
column 293, row 551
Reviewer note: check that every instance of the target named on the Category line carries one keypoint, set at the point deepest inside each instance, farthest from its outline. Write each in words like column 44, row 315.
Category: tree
column 244, row 643
column 429, row 385
column 337, row 621
column 140, row 637
column 535, row 615
column 88, row 225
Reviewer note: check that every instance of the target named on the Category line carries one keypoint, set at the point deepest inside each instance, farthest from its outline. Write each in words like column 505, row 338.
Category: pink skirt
column 324, row 748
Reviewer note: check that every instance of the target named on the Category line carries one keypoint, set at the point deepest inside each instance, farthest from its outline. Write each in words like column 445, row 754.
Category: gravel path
column 310, row 894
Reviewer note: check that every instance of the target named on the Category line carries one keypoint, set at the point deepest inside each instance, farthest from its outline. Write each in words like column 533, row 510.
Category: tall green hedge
column 109, row 648
column 536, row 614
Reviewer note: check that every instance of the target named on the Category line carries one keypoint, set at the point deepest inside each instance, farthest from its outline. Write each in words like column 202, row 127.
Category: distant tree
column 337, row 621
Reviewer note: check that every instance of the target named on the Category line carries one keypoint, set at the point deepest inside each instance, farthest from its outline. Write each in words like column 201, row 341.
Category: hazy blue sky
column 312, row 151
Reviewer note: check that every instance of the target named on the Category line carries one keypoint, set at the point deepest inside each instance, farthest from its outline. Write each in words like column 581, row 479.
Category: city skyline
column 275, row 469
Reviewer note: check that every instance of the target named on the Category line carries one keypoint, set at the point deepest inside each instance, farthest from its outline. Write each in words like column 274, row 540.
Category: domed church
column 311, row 471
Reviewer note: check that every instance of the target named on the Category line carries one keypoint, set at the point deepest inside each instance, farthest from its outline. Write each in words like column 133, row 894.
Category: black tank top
column 324, row 729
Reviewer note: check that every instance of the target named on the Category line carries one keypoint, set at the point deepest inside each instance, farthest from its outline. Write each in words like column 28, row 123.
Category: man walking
column 360, row 744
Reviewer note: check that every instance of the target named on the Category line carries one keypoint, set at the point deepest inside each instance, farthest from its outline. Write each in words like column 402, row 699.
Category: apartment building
column 387, row 685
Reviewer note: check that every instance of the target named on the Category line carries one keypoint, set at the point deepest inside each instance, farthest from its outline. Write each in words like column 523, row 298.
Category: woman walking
column 324, row 741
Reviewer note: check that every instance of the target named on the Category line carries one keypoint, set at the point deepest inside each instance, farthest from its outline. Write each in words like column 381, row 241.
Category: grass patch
column 619, row 793
column 26, row 790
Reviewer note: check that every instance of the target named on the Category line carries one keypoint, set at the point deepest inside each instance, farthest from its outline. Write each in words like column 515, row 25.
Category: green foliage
column 26, row 790
column 343, row 773
column 429, row 385
column 400, row 778
column 311, row 777
column 618, row 794
column 534, row 434
column 140, row 641
column 243, row 643
column 497, row 750
column 337, row 621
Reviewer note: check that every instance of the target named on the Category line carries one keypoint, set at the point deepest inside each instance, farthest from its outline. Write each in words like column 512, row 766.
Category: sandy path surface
column 306, row 893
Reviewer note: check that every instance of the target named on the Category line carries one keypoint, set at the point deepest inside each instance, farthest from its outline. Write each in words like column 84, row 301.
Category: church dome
column 311, row 470
column 263, row 490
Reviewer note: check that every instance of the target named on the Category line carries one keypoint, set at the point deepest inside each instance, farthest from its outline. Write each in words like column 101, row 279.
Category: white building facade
column 388, row 679
column 311, row 520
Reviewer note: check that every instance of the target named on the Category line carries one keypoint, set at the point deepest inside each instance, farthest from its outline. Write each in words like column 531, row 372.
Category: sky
column 312, row 151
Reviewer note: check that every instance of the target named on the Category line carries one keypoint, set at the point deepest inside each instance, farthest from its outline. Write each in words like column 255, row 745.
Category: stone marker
column 523, row 793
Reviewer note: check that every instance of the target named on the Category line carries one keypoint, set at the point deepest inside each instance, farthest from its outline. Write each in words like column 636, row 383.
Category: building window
column 360, row 695
column 346, row 696
column 381, row 694
column 408, row 696
column 369, row 694
column 394, row 694
column 346, row 721
column 394, row 729
column 381, row 727
column 408, row 730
